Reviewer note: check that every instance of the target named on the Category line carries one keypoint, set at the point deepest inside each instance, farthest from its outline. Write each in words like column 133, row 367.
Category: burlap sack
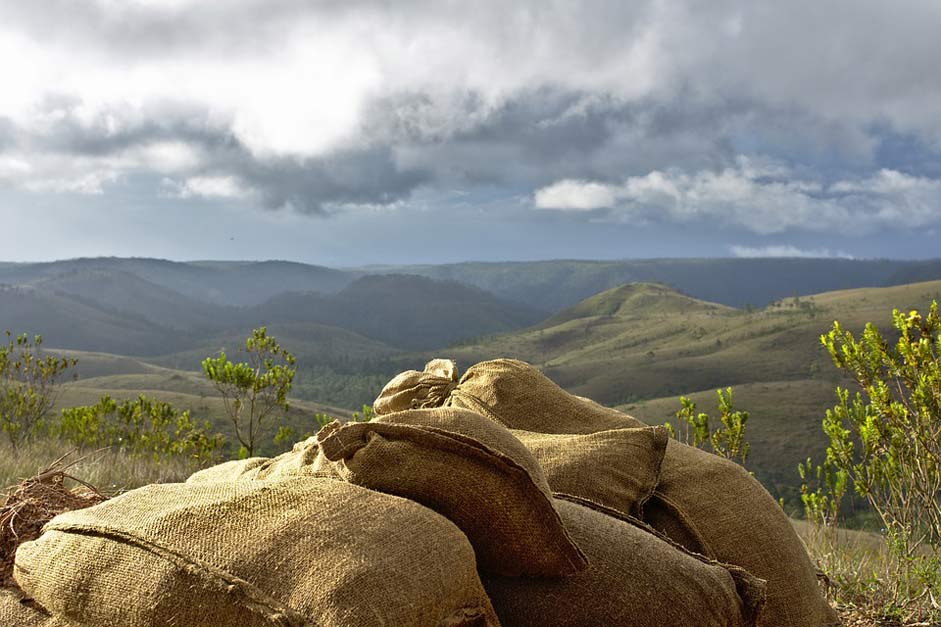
column 708, row 504
column 235, row 470
column 16, row 611
column 301, row 551
column 506, row 390
column 618, row 468
column 467, row 468
column 634, row 579
column 715, row 507
column 418, row 390
column 301, row 461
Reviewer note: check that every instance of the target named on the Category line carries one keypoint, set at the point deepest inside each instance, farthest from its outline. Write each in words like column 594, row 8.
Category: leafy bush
column 27, row 385
column 726, row 440
column 140, row 427
column 885, row 442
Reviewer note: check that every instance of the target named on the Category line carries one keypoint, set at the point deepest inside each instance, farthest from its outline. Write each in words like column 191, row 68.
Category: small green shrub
column 144, row 426
column 726, row 440
column 254, row 389
column 27, row 385
column 885, row 442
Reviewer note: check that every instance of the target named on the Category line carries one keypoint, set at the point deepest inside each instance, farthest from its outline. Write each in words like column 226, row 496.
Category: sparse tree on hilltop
column 253, row 390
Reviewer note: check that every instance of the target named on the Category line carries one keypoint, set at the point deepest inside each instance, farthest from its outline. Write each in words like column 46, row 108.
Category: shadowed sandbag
column 619, row 468
column 634, row 579
column 301, row 551
column 467, row 468
column 714, row 506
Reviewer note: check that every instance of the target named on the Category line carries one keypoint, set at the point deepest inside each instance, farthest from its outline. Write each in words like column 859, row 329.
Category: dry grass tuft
column 863, row 579
column 111, row 471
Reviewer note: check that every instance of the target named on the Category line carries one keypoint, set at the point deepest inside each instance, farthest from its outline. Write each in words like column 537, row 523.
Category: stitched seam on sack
column 657, row 471
column 689, row 524
column 481, row 406
column 255, row 600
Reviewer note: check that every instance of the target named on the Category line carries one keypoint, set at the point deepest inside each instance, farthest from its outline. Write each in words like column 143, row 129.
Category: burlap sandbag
column 709, row 505
column 467, row 468
column 635, row 579
column 301, row 460
column 506, row 390
column 301, row 551
column 17, row 611
column 235, row 470
column 715, row 507
column 618, row 468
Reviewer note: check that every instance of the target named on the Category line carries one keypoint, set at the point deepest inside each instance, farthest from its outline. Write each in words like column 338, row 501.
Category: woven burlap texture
column 634, row 578
column 708, row 504
column 301, row 551
column 619, row 468
column 469, row 469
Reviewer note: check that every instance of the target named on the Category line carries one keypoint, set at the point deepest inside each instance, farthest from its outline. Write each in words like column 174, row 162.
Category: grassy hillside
column 125, row 379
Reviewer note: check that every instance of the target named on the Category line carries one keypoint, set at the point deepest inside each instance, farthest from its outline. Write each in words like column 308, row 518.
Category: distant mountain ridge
column 407, row 311
column 155, row 307
column 546, row 285
column 101, row 307
column 554, row 285
column 217, row 282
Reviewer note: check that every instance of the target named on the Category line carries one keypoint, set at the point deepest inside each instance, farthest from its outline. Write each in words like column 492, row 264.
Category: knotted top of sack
column 419, row 390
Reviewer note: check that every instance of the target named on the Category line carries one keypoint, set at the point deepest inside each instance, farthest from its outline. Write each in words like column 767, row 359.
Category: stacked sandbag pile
column 494, row 499
column 707, row 504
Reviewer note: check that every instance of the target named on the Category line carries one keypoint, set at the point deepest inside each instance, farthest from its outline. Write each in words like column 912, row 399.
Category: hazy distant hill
column 544, row 285
column 405, row 311
column 68, row 322
column 220, row 282
column 117, row 311
column 127, row 293
column 553, row 285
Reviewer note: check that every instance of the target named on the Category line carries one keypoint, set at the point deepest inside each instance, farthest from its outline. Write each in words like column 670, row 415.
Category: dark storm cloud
column 316, row 106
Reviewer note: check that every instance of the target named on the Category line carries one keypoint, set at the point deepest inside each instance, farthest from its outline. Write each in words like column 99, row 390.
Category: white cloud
column 767, row 199
column 228, row 187
column 92, row 183
column 576, row 195
column 685, row 84
column 787, row 250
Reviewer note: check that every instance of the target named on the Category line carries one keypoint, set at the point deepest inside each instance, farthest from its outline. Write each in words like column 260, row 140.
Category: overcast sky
column 352, row 132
